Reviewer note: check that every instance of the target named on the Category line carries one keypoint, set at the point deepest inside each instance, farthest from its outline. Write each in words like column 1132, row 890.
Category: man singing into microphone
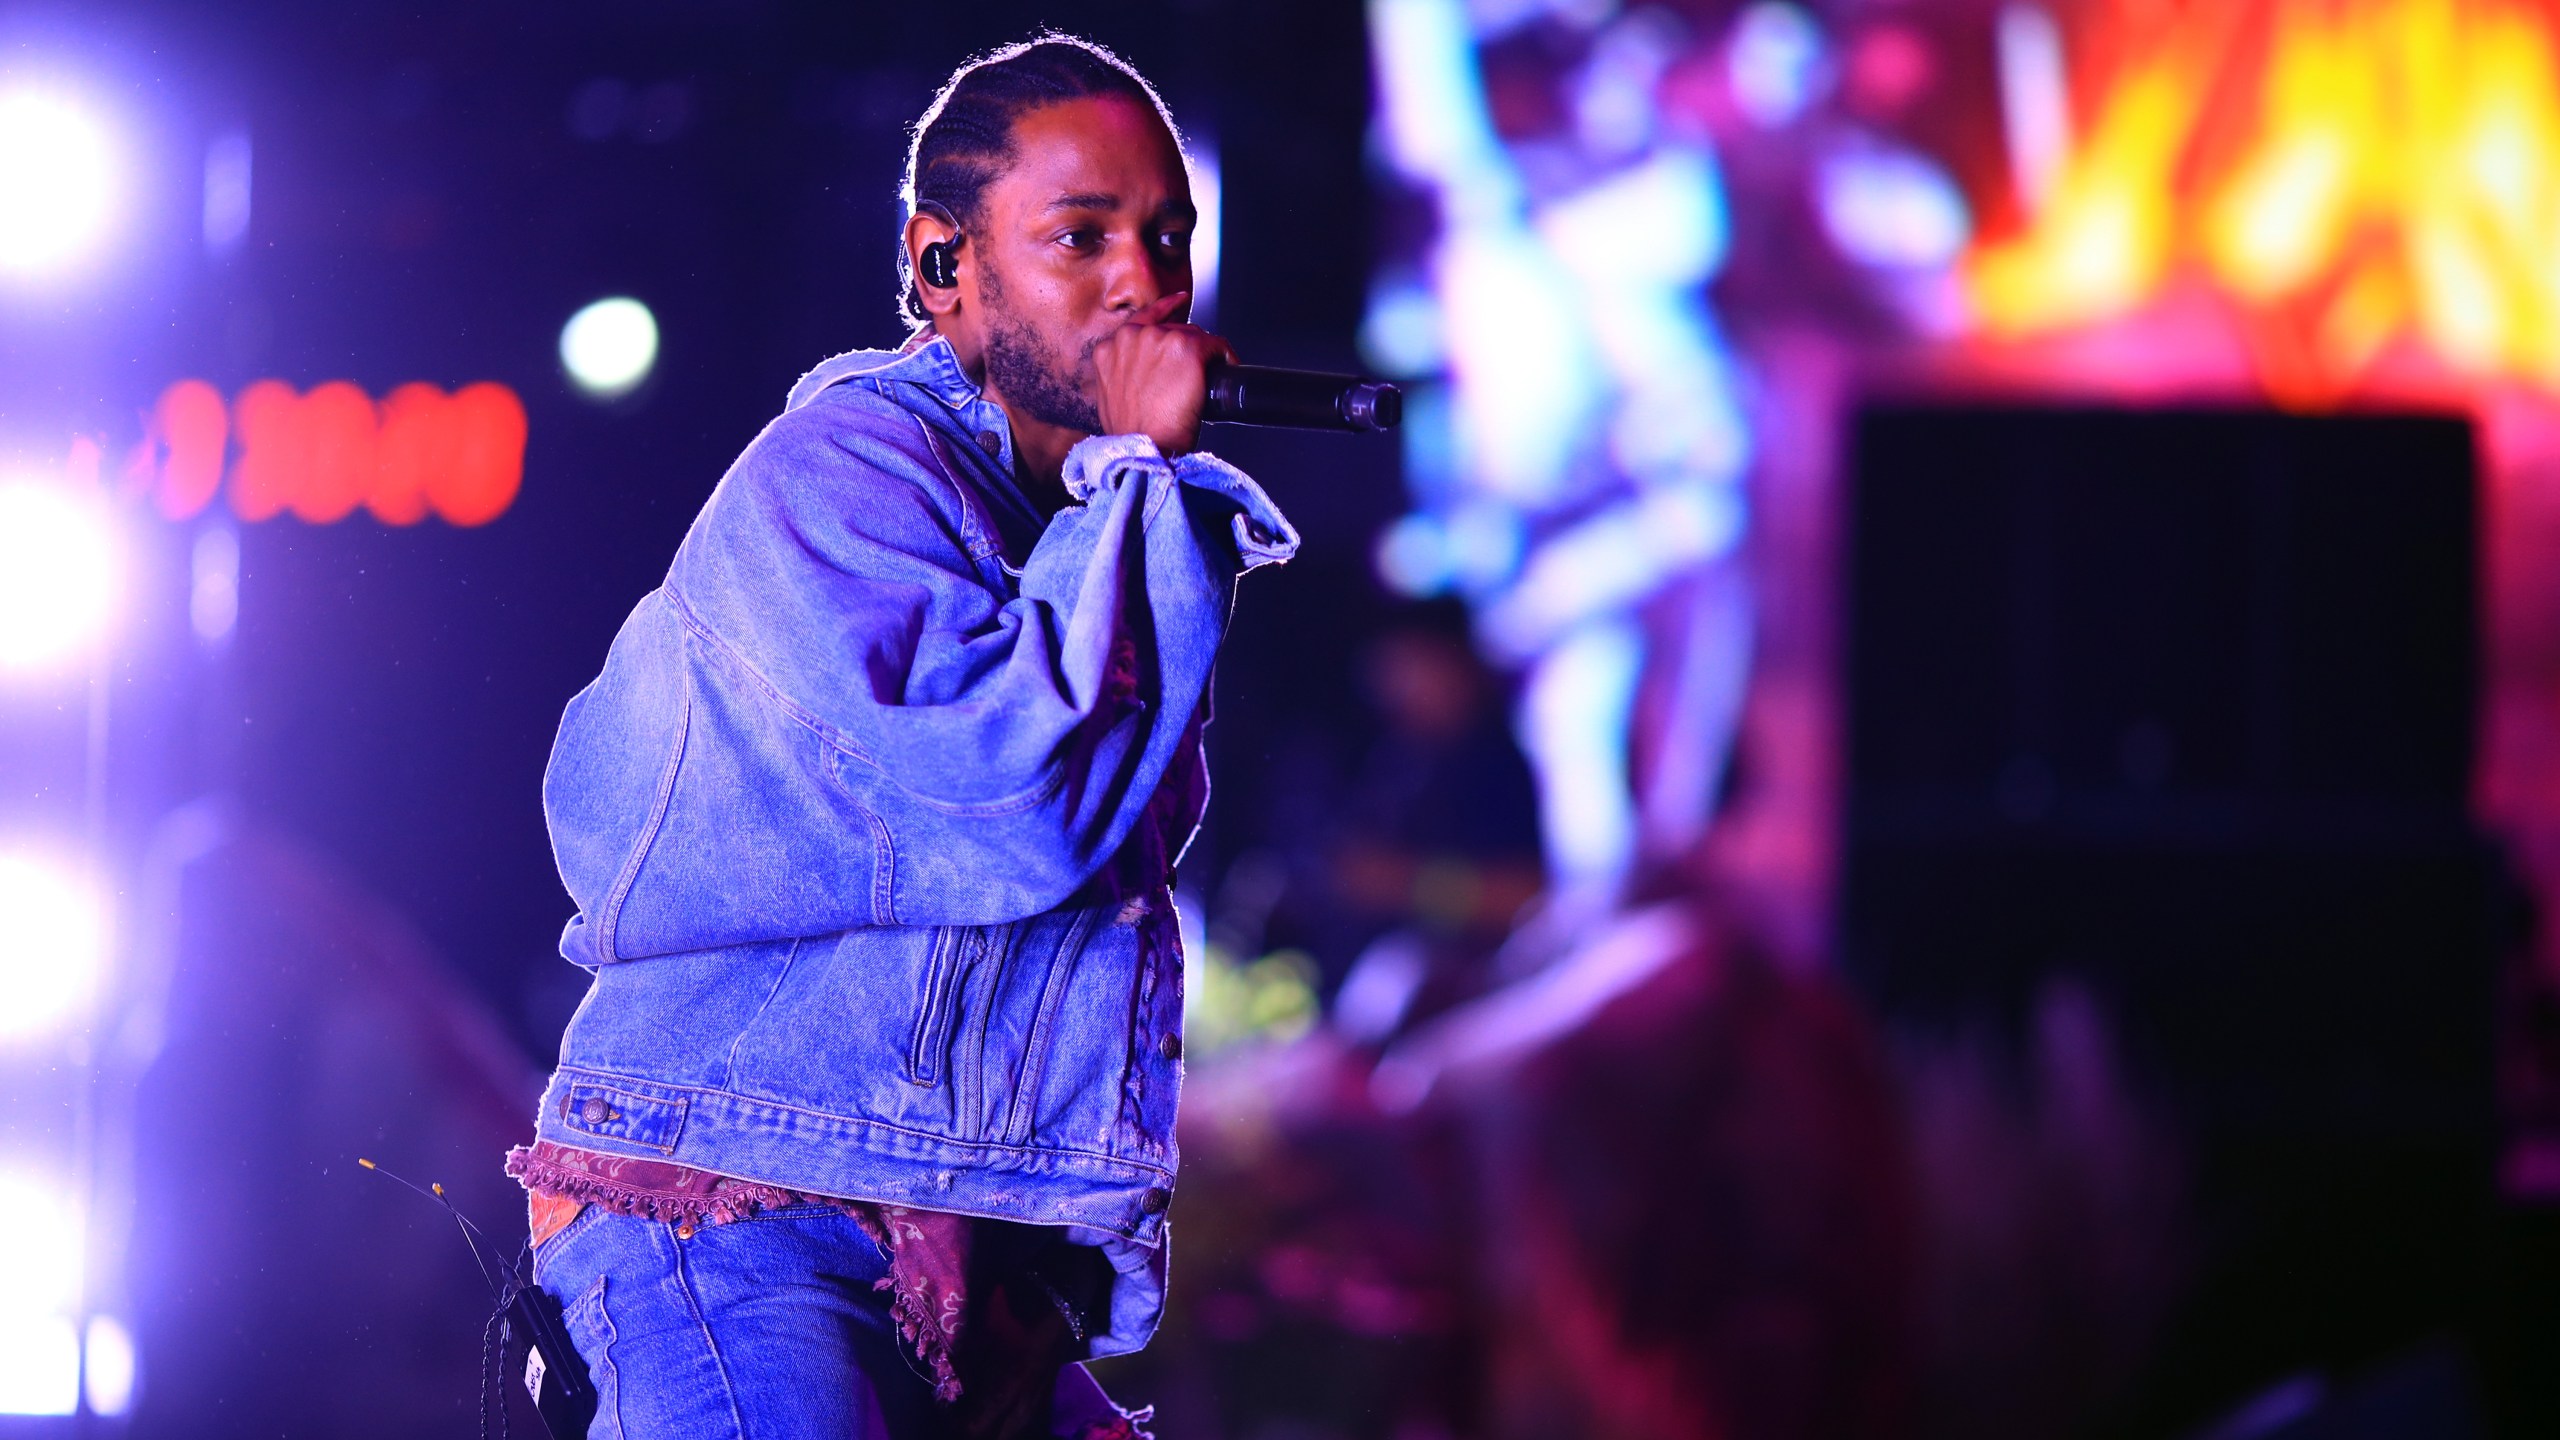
column 865, row 1127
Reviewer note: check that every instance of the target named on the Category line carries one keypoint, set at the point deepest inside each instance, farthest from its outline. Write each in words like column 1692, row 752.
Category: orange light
column 2103, row 242
column 2349, row 174
column 324, row 454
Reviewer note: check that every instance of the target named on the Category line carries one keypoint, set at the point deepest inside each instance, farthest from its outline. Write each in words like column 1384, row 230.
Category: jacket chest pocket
column 957, row 954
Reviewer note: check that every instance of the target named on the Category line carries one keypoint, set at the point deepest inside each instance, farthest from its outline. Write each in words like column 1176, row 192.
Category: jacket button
column 990, row 442
column 1170, row 1047
column 595, row 1111
column 1155, row 1201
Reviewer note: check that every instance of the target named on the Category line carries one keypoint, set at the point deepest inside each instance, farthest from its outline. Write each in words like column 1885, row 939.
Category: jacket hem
column 853, row 1158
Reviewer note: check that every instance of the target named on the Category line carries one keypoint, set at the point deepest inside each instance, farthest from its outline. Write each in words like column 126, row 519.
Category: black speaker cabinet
column 2181, row 705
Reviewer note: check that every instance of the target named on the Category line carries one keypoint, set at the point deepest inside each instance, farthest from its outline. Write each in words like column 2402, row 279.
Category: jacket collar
column 927, row 364
column 930, row 366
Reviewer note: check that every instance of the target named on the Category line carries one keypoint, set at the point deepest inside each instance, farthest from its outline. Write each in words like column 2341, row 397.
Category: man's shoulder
column 845, row 471
column 855, row 369
column 850, row 435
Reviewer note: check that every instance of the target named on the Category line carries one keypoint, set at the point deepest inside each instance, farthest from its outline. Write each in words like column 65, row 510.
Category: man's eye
column 1081, row 239
column 1176, row 240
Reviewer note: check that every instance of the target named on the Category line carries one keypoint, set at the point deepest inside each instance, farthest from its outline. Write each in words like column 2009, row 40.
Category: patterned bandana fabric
column 928, row 1249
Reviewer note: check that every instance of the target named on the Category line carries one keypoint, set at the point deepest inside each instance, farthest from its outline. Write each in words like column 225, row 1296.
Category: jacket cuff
column 1093, row 459
column 1264, row 536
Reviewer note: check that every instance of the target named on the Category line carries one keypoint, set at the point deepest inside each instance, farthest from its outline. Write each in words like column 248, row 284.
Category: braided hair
column 965, row 138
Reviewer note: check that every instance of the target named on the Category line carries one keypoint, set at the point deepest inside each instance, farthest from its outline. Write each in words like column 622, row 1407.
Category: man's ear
column 925, row 228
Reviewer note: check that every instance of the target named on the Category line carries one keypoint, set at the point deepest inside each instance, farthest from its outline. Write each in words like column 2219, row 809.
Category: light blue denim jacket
column 870, row 816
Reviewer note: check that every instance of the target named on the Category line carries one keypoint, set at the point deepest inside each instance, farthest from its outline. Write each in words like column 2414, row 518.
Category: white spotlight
column 58, row 572
column 39, row 1290
column 39, row 1365
column 57, row 182
column 609, row 346
column 52, row 950
column 111, row 1366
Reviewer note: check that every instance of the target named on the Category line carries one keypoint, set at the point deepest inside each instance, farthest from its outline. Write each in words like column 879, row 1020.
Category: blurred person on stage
column 866, row 1124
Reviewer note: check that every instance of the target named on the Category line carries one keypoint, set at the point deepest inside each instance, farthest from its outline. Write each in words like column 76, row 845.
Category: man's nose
column 1133, row 282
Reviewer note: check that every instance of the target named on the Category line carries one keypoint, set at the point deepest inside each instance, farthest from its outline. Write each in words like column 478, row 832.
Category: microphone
column 1300, row 399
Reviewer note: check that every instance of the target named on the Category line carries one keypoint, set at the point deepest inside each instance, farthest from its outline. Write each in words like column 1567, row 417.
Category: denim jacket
column 870, row 815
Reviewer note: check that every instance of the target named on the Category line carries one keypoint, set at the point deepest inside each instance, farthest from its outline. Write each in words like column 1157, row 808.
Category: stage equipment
column 524, row 1335
column 1300, row 399
column 2176, row 710
column 941, row 267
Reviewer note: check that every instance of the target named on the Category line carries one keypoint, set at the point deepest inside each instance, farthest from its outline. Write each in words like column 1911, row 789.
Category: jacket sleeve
column 830, row 717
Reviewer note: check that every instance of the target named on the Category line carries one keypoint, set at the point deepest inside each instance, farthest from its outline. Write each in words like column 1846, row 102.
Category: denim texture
column 869, row 818
column 764, row 1328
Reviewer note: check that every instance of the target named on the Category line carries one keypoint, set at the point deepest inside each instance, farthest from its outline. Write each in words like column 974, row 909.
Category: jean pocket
column 591, row 1330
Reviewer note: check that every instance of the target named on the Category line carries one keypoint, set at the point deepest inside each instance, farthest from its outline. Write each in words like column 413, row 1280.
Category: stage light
column 58, row 572
column 1412, row 556
column 39, row 1365
column 1208, row 232
column 2035, row 100
column 1677, row 196
column 1401, row 334
column 57, row 182
column 111, row 1366
column 1775, row 62
column 40, row 1266
column 609, row 346
column 1484, row 540
column 213, row 597
column 39, row 1289
column 52, row 949
column 1573, row 724
column 1893, row 209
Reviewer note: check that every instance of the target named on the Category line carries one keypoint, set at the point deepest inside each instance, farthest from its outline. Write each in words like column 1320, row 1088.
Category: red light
column 416, row 448
column 322, row 454
column 487, row 425
column 191, row 422
column 274, row 450
column 338, row 454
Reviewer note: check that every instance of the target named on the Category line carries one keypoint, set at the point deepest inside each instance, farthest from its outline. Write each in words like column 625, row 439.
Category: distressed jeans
column 765, row 1328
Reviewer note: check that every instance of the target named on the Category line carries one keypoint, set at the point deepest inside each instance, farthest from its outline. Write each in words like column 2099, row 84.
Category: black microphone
column 1300, row 399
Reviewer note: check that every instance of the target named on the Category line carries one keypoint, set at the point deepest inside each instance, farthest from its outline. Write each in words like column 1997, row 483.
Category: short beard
column 1029, row 372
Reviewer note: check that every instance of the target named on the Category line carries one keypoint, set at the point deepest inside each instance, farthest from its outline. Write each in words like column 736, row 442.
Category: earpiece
column 939, row 265
column 939, row 268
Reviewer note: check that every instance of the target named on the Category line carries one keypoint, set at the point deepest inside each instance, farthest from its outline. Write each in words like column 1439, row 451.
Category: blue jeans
column 766, row 1328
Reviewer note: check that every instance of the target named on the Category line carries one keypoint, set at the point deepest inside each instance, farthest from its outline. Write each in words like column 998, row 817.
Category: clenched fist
column 1154, row 376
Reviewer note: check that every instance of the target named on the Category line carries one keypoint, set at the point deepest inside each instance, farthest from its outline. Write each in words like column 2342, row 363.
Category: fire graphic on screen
column 2354, row 177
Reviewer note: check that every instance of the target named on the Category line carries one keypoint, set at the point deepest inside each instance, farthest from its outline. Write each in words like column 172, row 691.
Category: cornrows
column 965, row 137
